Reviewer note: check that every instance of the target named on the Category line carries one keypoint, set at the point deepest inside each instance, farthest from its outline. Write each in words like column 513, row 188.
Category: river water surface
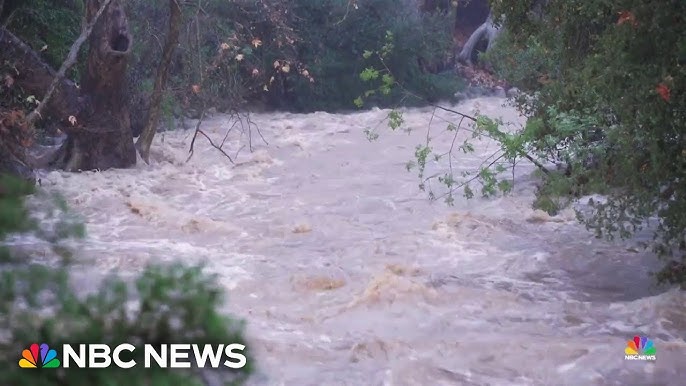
column 348, row 275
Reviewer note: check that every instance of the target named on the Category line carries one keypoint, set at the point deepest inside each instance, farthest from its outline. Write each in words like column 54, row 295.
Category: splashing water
column 348, row 275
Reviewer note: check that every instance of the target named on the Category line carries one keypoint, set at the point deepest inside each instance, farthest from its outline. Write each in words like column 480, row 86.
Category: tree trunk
column 488, row 30
column 145, row 140
column 101, row 138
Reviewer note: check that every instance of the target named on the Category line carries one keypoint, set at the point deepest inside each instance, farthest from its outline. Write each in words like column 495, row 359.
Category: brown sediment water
column 348, row 275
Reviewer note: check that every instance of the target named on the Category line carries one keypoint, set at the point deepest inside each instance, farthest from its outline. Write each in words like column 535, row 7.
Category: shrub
column 334, row 38
column 48, row 26
column 608, row 80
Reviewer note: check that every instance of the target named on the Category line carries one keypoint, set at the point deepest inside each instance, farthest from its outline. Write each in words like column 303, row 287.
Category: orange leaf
column 627, row 17
column 664, row 91
column 196, row 89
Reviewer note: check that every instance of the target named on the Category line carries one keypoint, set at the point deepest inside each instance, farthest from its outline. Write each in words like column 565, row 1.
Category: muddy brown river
column 348, row 275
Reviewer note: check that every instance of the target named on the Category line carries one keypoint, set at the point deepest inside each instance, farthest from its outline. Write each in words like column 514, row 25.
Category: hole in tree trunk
column 120, row 43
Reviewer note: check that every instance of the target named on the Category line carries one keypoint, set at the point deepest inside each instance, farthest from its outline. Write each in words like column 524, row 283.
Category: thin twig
column 257, row 128
column 238, row 151
column 428, row 129
column 452, row 146
column 520, row 152
column 347, row 11
column 219, row 147
column 215, row 146
column 191, row 150
column 228, row 132
column 471, row 179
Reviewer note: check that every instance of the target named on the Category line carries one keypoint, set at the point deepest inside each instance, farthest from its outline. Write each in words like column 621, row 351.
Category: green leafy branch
column 513, row 146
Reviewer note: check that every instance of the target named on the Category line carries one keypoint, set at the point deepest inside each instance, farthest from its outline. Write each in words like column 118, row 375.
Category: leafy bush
column 48, row 26
column 40, row 303
column 302, row 55
column 335, row 36
column 608, row 78
column 604, row 84
column 226, row 48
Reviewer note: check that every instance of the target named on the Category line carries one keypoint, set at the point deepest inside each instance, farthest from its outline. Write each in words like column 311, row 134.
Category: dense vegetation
column 608, row 79
column 301, row 55
column 603, row 89
column 333, row 43
column 603, row 86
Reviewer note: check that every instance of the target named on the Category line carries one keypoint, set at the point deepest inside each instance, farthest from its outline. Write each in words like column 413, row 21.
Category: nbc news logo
column 100, row 356
column 640, row 349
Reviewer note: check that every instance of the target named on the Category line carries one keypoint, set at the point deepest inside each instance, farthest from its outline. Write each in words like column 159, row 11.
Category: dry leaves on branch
column 627, row 17
column 663, row 91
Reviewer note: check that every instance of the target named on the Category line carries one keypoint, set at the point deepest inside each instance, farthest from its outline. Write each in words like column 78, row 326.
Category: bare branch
column 191, row 150
column 199, row 131
column 347, row 11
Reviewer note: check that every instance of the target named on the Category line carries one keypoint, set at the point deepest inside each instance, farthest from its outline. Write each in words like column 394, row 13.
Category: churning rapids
column 348, row 275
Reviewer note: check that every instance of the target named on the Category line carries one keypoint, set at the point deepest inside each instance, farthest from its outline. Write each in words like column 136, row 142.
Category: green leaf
column 358, row 102
column 395, row 119
column 369, row 74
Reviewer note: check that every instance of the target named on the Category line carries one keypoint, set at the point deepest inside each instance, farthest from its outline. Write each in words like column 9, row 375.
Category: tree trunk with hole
column 101, row 137
column 145, row 140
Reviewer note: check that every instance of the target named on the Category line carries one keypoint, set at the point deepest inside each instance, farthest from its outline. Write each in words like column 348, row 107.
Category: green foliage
column 48, row 26
column 13, row 214
column 227, row 54
column 40, row 303
column 606, row 82
column 488, row 175
column 335, row 36
column 301, row 55
column 507, row 57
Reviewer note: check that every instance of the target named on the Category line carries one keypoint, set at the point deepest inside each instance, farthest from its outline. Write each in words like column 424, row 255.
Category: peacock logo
column 640, row 348
column 39, row 356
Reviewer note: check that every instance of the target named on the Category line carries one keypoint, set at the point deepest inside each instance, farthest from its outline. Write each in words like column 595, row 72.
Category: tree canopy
column 607, row 80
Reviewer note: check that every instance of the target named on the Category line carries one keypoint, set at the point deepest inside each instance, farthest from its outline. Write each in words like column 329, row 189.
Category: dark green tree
column 608, row 80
